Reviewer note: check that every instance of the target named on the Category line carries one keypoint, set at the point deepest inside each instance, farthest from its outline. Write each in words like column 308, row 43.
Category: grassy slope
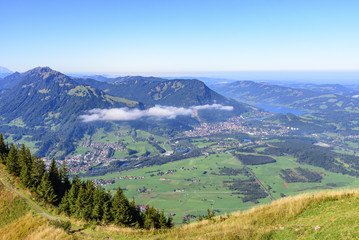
column 326, row 215
column 17, row 221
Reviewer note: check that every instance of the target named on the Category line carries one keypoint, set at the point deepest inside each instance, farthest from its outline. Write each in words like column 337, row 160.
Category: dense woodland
column 77, row 199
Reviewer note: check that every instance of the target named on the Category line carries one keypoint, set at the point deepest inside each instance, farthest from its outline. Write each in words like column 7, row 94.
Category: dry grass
column 257, row 222
column 31, row 227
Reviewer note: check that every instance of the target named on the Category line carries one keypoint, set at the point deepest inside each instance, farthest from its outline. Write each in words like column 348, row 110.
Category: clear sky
column 179, row 35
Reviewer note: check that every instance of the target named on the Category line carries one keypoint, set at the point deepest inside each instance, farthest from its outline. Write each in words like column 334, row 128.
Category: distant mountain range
column 4, row 72
column 45, row 104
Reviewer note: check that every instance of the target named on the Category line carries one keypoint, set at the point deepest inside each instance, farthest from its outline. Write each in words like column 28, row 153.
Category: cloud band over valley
column 158, row 112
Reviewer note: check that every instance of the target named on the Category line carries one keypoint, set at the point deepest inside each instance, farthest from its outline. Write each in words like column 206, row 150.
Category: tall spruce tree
column 64, row 206
column 45, row 189
column 12, row 161
column 107, row 206
column 73, row 193
column 4, row 149
column 64, row 178
column 121, row 209
column 25, row 176
column 98, row 202
column 37, row 172
column 25, row 157
column 54, row 177
column 151, row 218
column 162, row 220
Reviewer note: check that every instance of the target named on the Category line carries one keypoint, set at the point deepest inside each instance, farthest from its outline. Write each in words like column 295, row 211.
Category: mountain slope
column 46, row 97
column 252, row 92
column 46, row 104
column 10, row 81
column 4, row 72
column 178, row 92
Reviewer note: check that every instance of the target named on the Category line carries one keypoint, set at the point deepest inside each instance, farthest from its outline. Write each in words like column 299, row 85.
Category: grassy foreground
column 17, row 221
column 323, row 215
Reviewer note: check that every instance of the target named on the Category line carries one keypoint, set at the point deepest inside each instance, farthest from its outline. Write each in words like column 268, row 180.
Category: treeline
column 77, row 199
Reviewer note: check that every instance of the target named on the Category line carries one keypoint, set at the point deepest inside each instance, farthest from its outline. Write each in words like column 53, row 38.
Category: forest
column 78, row 199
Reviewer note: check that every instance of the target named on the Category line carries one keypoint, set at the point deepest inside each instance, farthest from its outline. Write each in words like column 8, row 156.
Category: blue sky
column 170, row 36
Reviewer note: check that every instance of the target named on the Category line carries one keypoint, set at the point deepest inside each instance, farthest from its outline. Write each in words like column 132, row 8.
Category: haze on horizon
column 218, row 38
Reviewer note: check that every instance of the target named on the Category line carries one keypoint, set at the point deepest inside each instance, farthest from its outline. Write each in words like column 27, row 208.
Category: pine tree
column 98, row 202
column 136, row 215
column 54, row 176
column 4, row 149
column 73, row 193
column 80, row 203
column 151, row 218
column 45, row 189
column 107, row 213
column 64, row 206
column 169, row 222
column 25, row 176
column 37, row 171
column 25, row 157
column 162, row 220
column 107, row 206
column 121, row 209
column 12, row 161
column 64, row 179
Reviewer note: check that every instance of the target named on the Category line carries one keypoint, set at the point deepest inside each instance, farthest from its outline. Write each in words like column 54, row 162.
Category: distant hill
column 10, row 81
column 45, row 105
column 47, row 97
column 178, row 92
column 253, row 92
column 4, row 72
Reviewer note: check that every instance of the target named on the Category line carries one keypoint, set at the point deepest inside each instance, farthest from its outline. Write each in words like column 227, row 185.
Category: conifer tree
column 25, row 176
column 4, row 150
column 107, row 206
column 12, row 161
column 37, row 172
column 54, row 176
column 151, row 218
column 64, row 206
column 162, row 220
column 136, row 214
column 64, row 178
column 80, row 204
column 169, row 222
column 98, row 202
column 45, row 189
column 73, row 193
column 25, row 157
column 121, row 209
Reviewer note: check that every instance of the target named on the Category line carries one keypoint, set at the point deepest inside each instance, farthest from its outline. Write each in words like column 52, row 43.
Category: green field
column 177, row 195
column 196, row 197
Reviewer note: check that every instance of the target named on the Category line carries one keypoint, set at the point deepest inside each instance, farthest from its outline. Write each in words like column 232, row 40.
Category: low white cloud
column 158, row 111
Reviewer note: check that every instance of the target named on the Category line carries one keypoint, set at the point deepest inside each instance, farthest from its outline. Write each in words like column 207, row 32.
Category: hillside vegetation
column 17, row 221
column 325, row 215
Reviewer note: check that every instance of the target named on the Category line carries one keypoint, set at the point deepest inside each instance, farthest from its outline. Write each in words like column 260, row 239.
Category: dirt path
column 37, row 209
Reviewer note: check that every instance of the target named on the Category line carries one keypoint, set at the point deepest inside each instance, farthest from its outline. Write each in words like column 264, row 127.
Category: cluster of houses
column 193, row 180
column 105, row 182
column 144, row 189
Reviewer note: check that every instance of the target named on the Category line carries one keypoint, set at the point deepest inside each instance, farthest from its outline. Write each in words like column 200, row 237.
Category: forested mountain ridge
column 44, row 105
column 255, row 92
column 44, row 97
column 152, row 91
